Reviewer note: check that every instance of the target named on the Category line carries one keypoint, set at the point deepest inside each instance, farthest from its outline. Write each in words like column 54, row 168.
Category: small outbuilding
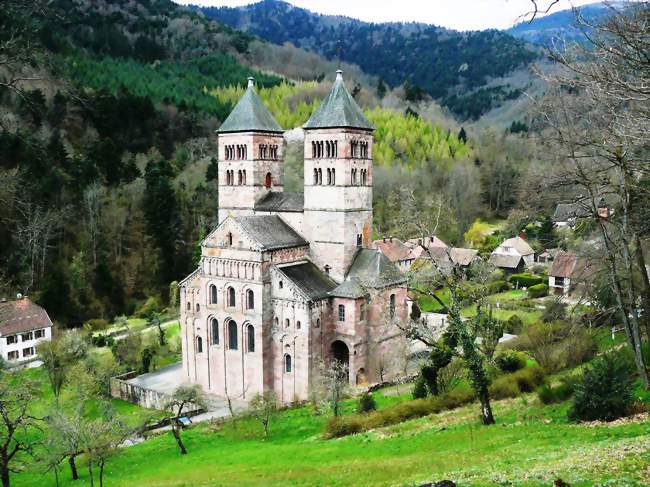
column 23, row 325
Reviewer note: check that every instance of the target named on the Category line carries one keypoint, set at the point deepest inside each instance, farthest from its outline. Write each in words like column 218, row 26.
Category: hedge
column 525, row 280
column 538, row 291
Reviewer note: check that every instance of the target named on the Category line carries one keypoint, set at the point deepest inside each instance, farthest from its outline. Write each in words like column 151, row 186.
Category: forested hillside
column 450, row 66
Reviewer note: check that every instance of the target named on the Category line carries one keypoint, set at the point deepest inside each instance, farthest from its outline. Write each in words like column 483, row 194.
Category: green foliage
column 548, row 394
column 148, row 308
column 97, row 324
column 525, row 280
column 514, row 325
column 554, row 311
column 538, row 290
column 605, row 390
column 366, row 403
column 517, row 383
column 510, row 360
column 420, row 390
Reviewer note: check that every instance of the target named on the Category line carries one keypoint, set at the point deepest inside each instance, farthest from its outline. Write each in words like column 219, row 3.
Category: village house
column 566, row 271
column 567, row 214
column 289, row 281
column 513, row 255
column 23, row 325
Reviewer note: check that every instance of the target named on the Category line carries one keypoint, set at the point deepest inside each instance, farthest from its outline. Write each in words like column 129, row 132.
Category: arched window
column 297, row 325
column 250, row 338
column 239, row 178
column 189, row 306
column 317, row 322
column 336, row 149
column 250, row 299
column 268, row 180
column 213, row 294
column 276, row 322
column 329, row 176
column 214, row 331
column 320, row 176
column 232, row 335
column 287, row 323
column 229, row 239
column 199, row 345
column 198, row 307
column 287, row 363
column 333, row 176
column 359, row 240
column 244, row 176
column 231, row 296
column 392, row 305
column 341, row 312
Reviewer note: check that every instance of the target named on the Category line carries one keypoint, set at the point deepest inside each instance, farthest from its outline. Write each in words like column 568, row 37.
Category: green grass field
column 531, row 445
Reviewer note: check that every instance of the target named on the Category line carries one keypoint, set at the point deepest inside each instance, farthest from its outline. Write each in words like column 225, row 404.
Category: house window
column 214, row 331
column 213, row 294
column 199, row 345
column 250, row 338
column 232, row 335
column 231, row 297
column 28, row 352
column 12, row 339
column 39, row 333
column 559, row 281
column 250, row 299
column 25, row 337
column 341, row 312
column 392, row 305
column 268, row 180
column 13, row 355
column 287, row 363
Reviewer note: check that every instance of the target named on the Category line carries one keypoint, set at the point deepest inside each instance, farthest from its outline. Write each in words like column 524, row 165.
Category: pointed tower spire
column 250, row 114
column 338, row 110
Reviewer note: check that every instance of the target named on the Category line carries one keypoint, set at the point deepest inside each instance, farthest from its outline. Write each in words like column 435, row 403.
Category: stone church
column 288, row 281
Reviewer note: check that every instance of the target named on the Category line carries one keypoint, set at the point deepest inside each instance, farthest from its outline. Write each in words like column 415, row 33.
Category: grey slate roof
column 270, row 231
column 350, row 288
column 250, row 115
column 310, row 279
column 281, row 201
column 569, row 211
column 373, row 269
column 505, row 261
column 338, row 109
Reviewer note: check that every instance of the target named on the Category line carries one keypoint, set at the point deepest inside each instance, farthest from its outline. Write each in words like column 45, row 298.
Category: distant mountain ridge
column 562, row 25
column 448, row 65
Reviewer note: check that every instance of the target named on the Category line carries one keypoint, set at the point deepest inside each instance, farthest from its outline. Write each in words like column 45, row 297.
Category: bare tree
column 330, row 386
column 182, row 398
column 263, row 407
column 93, row 203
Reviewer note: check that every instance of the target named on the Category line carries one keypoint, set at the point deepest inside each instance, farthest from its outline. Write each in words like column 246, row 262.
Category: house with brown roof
column 397, row 252
column 567, row 268
column 23, row 325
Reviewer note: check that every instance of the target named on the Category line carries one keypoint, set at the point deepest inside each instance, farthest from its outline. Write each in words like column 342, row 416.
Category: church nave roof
column 310, row 279
column 270, row 231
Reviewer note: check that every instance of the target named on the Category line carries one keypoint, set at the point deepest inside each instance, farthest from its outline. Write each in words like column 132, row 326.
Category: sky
column 454, row 14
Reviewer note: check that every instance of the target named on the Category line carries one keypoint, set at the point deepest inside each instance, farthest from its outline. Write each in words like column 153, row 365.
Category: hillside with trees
column 450, row 66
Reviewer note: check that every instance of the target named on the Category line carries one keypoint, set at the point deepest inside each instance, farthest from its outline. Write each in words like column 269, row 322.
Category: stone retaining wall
column 147, row 398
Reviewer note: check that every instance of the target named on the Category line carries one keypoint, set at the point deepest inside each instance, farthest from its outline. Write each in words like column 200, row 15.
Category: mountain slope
column 562, row 25
column 445, row 64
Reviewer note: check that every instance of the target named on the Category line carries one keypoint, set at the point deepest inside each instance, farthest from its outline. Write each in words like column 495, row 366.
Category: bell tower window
column 268, row 181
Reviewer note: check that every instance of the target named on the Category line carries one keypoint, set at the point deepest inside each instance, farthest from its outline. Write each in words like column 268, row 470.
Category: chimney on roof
column 251, row 82
column 522, row 235
column 19, row 296
column 339, row 74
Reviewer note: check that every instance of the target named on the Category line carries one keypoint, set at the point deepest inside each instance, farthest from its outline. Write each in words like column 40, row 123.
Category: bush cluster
column 538, row 290
column 499, row 286
column 512, row 385
column 510, row 360
column 366, row 403
column 553, row 394
column 525, row 280
column 338, row 426
column 514, row 325
column 97, row 324
column 102, row 341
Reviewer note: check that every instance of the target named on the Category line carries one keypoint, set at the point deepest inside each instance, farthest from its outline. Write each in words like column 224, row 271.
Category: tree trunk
column 645, row 284
column 73, row 467
column 486, row 410
column 4, row 473
column 179, row 441
column 101, row 473
column 90, row 473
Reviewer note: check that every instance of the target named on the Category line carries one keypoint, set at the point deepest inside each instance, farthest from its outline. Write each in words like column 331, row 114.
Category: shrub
column 504, row 387
column 514, row 325
column 420, row 388
column 559, row 393
column 497, row 286
column 366, row 403
column 525, row 280
column 97, row 324
column 554, row 311
column 538, row 291
column 103, row 341
column 510, row 360
column 512, row 385
column 604, row 391
column 580, row 347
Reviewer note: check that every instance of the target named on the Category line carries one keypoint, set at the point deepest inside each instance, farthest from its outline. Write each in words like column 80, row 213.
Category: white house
column 514, row 254
column 23, row 325
column 563, row 273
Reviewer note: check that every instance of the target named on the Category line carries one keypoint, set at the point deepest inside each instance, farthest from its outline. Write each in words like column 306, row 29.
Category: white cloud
column 455, row 14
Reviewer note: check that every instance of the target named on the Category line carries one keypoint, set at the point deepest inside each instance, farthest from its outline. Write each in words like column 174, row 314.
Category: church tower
column 250, row 156
column 338, row 181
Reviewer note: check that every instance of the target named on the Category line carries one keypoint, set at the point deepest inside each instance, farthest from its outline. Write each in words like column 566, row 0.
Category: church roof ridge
column 338, row 109
column 250, row 115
